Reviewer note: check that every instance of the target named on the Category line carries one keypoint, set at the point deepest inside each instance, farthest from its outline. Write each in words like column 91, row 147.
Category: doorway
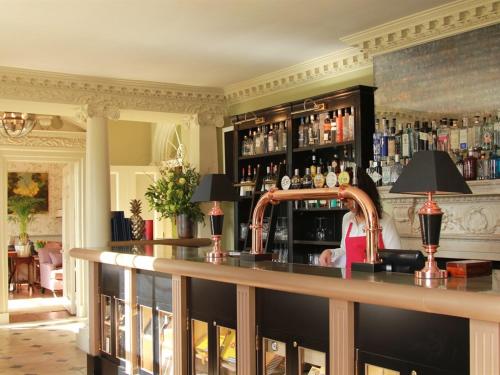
column 41, row 282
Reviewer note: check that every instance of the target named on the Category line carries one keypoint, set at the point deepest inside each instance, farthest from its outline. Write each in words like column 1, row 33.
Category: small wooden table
column 14, row 262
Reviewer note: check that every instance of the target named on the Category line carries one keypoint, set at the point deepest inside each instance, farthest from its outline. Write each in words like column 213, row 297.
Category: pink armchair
column 51, row 269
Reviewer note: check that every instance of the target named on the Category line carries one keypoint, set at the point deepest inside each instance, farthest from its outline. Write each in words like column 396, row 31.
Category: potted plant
column 170, row 196
column 22, row 209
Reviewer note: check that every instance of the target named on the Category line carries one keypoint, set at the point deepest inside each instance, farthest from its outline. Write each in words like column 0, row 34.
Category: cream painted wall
column 129, row 142
column 360, row 77
column 45, row 225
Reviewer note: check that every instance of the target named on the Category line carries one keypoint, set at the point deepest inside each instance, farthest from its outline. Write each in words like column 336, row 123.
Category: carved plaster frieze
column 328, row 66
column 99, row 108
column 51, row 142
column 31, row 85
column 425, row 26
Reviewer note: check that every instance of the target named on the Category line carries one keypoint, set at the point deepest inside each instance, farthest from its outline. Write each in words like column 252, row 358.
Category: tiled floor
column 41, row 348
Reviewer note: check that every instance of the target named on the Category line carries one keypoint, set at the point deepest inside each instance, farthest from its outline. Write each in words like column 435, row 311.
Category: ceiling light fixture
column 16, row 124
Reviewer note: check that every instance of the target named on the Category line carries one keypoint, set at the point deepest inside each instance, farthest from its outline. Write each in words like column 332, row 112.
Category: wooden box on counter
column 469, row 268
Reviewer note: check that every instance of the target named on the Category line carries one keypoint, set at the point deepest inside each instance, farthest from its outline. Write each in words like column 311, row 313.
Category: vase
column 185, row 226
column 23, row 250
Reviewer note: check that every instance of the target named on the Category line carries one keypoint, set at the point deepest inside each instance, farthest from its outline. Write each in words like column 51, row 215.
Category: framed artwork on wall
column 30, row 184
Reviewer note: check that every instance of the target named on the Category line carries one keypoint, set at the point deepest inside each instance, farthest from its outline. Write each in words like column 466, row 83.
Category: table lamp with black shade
column 431, row 173
column 215, row 188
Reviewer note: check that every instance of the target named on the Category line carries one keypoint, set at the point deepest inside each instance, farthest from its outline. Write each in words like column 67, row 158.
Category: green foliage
column 23, row 208
column 170, row 195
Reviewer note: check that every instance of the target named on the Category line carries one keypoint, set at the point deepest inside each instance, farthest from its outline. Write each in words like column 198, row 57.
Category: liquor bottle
column 307, row 131
column 301, row 132
column 296, row 180
column 249, row 174
column 487, row 134
column 276, row 139
column 319, row 179
column 351, row 124
column 377, row 141
column 423, row 143
column 313, row 167
column 242, row 181
column 416, row 137
column 433, row 136
column 331, row 177
column 463, row 135
column 270, row 139
column 266, row 185
column 307, row 183
column 398, row 138
column 384, row 144
column 315, row 126
column 333, row 136
column 471, row 135
column 405, row 142
column 494, row 160
column 497, row 166
column 345, row 121
column 443, row 136
column 284, row 138
column 265, row 140
column 344, row 177
column 244, row 146
column 470, row 166
column 396, row 169
column 391, row 140
column 340, row 127
column 454, row 136
column 296, row 183
column 327, row 130
column 477, row 131
column 496, row 129
column 460, row 164
column 377, row 173
column 386, row 173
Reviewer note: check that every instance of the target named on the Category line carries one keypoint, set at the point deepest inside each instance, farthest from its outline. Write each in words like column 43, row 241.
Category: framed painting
column 32, row 184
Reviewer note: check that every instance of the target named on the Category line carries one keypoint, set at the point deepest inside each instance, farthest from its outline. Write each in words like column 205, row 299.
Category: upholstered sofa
column 51, row 269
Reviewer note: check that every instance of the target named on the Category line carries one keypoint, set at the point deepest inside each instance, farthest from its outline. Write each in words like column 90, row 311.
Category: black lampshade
column 431, row 172
column 215, row 187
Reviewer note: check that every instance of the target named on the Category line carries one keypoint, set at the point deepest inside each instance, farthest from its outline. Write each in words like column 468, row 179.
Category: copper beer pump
column 275, row 196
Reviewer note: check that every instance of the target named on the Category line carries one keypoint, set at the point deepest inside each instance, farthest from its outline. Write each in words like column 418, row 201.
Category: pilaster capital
column 99, row 108
column 210, row 119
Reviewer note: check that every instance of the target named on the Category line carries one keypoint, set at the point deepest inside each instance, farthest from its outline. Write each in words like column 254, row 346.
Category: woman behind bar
column 353, row 244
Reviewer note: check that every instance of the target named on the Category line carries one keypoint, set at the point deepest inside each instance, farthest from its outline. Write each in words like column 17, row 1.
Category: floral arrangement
column 40, row 244
column 170, row 195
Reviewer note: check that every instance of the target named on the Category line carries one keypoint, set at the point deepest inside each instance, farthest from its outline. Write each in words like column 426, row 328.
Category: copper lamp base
column 430, row 216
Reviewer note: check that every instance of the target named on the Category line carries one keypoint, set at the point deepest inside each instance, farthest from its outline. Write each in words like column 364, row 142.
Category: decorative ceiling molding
column 436, row 23
column 328, row 66
column 22, row 84
column 45, row 142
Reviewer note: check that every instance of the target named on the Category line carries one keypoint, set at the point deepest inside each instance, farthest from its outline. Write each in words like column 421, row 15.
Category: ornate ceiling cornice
column 436, row 23
column 21, row 84
column 328, row 66
column 46, row 142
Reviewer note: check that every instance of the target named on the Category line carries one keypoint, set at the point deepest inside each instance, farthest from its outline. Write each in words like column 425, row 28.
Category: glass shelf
column 106, row 324
column 120, row 328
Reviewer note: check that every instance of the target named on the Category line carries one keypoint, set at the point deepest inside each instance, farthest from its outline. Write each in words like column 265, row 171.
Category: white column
column 4, row 292
column 97, row 209
column 341, row 337
column 484, row 349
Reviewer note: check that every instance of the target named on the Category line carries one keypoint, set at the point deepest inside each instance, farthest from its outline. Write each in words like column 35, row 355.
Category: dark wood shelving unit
column 260, row 156
column 323, row 146
column 300, row 223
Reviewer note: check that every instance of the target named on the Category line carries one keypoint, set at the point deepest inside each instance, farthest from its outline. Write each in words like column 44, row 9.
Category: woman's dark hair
column 366, row 184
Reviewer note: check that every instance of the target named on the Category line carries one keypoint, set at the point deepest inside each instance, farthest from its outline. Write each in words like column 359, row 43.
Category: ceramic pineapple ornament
column 136, row 221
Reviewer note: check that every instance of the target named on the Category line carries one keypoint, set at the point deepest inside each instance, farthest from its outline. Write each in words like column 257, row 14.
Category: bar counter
column 475, row 302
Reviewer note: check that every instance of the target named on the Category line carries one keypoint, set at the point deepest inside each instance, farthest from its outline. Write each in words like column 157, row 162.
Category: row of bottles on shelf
column 249, row 174
column 478, row 164
column 386, row 172
column 330, row 127
column 319, row 175
column 265, row 139
column 450, row 135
